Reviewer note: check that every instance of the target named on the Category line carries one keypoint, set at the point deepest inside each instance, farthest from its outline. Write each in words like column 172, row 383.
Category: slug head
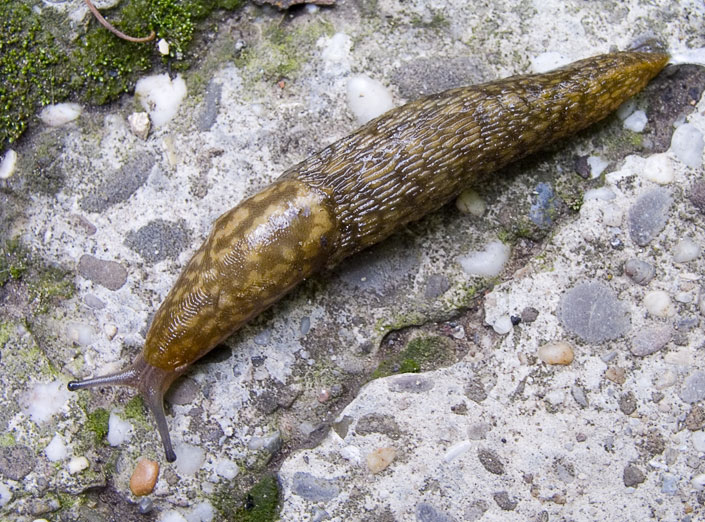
column 151, row 382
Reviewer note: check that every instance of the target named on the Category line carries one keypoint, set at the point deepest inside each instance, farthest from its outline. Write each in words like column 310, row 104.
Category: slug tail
column 151, row 382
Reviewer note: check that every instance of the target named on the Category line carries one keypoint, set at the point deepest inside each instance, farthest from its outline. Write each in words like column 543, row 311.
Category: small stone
column 658, row 304
column 669, row 484
column 183, row 391
column 503, row 501
column 697, row 195
column 457, row 450
column 378, row 423
column 559, row 353
column 529, row 314
column 475, row 390
column 665, row 380
column 686, row 250
column 659, row 169
column 579, row 396
column 633, row 476
column 627, row 403
column 470, row 202
column 436, row 286
column 60, row 114
column 146, row 506
column 139, row 124
column 648, row 215
column 695, row 420
column 616, row 374
column 687, row 145
column 475, row 510
column 636, row 121
column 7, row 164
column 77, row 464
column 698, row 482
column 650, row 340
column 144, row 477
column 488, row 262
column 638, row 271
column 380, row 458
column 16, row 462
column 698, row 439
column 411, row 383
column 110, row 331
column 109, row 274
column 163, row 47
column 93, row 302
column 693, row 389
column 503, row 325
column 490, row 461
column 592, row 311
column 580, row 437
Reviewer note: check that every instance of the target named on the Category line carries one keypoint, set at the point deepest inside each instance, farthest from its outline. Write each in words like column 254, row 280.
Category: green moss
column 7, row 440
column 41, row 62
column 135, row 411
column 97, row 423
column 13, row 261
column 420, row 354
column 51, row 284
column 260, row 503
column 6, row 330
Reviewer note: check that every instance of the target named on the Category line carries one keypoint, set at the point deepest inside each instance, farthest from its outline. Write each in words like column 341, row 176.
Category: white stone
column 80, row 334
column 665, row 379
column 559, row 352
column 457, row 450
column 5, row 494
column 686, row 250
column 201, row 512
column 698, row 481
column 548, row 61
column 470, row 202
column 189, row 459
column 163, row 47
column 600, row 193
column 687, row 145
column 119, row 431
column 636, row 121
column 367, row 98
column 597, row 166
column 171, row 515
column 56, row 449
column 555, row 397
column 139, row 124
column 698, row 438
column 226, row 468
column 658, row 303
column 161, row 96
column 77, row 464
column 658, row 168
column 42, row 401
column 8, row 163
column 60, row 114
column 351, row 453
column 503, row 325
column 488, row 262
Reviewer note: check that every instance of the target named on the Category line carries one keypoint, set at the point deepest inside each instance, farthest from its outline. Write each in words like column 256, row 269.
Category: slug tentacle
column 151, row 382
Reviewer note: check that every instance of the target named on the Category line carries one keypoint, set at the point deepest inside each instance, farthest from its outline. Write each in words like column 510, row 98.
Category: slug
column 356, row 192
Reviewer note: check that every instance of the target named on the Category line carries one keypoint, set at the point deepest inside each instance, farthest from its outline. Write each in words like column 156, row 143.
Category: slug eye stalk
column 151, row 383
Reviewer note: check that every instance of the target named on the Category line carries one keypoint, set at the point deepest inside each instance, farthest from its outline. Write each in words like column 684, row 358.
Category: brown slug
column 356, row 192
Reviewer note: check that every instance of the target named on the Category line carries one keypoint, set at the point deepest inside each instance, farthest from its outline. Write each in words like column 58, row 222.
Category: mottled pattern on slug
column 255, row 253
column 415, row 158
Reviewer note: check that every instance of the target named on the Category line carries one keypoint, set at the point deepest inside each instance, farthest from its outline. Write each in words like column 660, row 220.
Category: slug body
column 356, row 192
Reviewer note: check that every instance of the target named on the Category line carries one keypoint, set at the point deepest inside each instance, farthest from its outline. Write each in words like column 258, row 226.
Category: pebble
column 669, row 484
column 633, row 476
column 698, row 482
column 488, row 262
column 119, row 431
column 110, row 331
column 457, row 450
column 579, row 396
column 658, row 168
column 490, row 461
column 543, row 205
column 698, row 438
column 436, row 286
column 636, row 121
column 93, row 301
column 597, row 166
column 7, row 164
column 146, row 506
column 695, row 420
column 304, row 325
column 60, row 114
column 560, row 352
column 144, row 477
column 665, row 380
column 77, row 464
column 44, row 400
column 592, row 311
column 120, row 185
column 658, row 304
column 226, row 468
column 696, row 195
column 411, row 383
column 648, row 215
column 367, row 98
column 139, row 124
column 171, row 515
column 601, row 194
column 687, row 145
column 529, row 314
column 109, row 274
column 189, row 459
column 159, row 240
column 503, row 325
column 686, row 250
column 470, row 202
column 693, row 389
column 427, row 513
column 163, row 47
column 80, row 334
column 639, row 271
column 56, row 449
column 650, row 340
column 616, row 374
column 380, row 458
column 313, row 488
column 5, row 495
column 160, row 96
column 503, row 501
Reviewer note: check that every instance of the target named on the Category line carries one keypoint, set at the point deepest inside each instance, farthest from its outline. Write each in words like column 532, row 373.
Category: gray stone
column 375, row 423
column 16, row 462
column 412, row 383
column 502, row 499
column 120, row 185
column 632, row 476
column 159, row 240
column 183, row 391
column 313, row 488
column 639, row 271
column 669, row 484
column 475, row 390
column 427, row 513
column 697, row 195
column 490, row 461
column 109, row 274
column 543, row 206
column 627, row 403
column 648, row 215
column 592, row 311
column 579, row 396
column 529, row 314
column 211, row 103
column 650, row 340
column 693, row 389
column 476, row 510
column 93, row 302
column 436, row 286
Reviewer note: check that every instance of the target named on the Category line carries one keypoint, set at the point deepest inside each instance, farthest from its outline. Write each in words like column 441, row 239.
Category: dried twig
column 112, row 29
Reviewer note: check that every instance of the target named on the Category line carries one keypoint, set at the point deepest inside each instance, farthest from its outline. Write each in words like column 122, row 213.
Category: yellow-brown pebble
column 559, row 352
column 144, row 477
column 380, row 458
